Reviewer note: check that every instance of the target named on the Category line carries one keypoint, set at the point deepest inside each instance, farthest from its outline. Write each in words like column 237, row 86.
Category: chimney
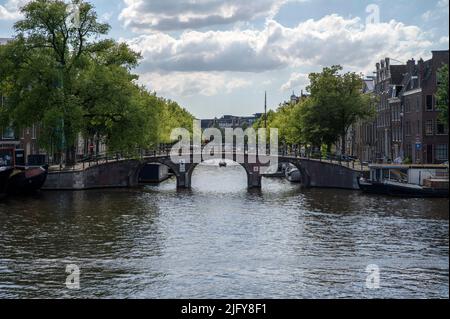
column 388, row 67
column 410, row 66
column 421, row 71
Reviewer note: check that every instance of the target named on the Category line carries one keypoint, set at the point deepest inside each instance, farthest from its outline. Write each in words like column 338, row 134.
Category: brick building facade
column 407, row 126
column 425, row 137
column 388, row 78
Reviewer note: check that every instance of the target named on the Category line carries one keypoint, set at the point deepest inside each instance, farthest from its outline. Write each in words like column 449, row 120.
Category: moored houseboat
column 5, row 173
column 407, row 180
column 27, row 180
column 19, row 178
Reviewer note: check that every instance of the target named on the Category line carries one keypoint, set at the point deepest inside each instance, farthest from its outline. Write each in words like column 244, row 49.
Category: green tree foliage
column 442, row 94
column 285, row 119
column 172, row 116
column 59, row 74
column 337, row 103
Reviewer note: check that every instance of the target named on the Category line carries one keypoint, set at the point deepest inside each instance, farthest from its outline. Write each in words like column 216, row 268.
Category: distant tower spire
column 265, row 109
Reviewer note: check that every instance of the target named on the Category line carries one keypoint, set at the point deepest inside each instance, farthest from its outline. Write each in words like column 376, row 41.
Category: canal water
column 220, row 240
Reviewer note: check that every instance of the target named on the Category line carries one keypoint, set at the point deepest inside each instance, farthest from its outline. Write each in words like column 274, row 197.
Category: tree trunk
column 70, row 156
column 344, row 144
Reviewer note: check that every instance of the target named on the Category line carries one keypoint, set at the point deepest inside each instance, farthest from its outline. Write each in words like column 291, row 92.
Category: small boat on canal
column 26, row 181
column 407, row 180
column 15, row 177
column 293, row 174
column 5, row 173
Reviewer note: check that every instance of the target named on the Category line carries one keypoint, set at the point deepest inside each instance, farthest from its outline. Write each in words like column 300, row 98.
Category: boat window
column 399, row 175
column 386, row 174
column 378, row 176
column 6, row 158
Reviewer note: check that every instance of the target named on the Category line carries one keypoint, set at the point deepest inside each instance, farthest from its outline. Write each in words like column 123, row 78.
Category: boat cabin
column 408, row 174
column 7, row 157
column 12, row 157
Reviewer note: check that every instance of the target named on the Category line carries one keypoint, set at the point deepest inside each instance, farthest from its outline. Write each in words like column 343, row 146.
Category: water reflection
column 220, row 240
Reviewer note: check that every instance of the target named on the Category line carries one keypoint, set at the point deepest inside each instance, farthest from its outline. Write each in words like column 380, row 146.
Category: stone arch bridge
column 125, row 173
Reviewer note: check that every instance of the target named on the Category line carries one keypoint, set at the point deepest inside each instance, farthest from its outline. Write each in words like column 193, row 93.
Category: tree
column 58, row 74
column 442, row 94
column 337, row 103
column 48, row 56
column 171, row 116
column 314, row 124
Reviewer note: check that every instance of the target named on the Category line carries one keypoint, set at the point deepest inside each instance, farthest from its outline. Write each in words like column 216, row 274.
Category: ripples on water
column 220, row 240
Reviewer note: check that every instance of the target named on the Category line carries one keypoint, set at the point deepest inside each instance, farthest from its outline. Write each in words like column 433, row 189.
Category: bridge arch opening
column 210, row 176
column 155, row 172
column 293, row 171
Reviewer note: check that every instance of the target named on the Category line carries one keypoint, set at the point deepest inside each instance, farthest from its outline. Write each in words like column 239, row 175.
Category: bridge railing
column 105, row 158
column 166, row 150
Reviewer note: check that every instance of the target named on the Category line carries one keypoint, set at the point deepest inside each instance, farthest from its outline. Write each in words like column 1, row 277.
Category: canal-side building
column 362, row 135
column 230, row 121
column 388, row 77
column 295, row 99
column 396, row 129
column 425, row 137
column 407, row 126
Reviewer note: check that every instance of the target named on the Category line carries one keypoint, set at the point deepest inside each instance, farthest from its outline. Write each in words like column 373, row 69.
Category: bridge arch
column 158, row 160
column 315, row 173
column 305, row 177
column 192, row 168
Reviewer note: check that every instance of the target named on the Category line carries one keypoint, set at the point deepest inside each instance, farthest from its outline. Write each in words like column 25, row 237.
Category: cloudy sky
column 217, row 57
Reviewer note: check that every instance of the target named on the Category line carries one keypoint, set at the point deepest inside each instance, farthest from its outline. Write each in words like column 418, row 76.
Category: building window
column 409, row 151
column 441, row 128
column 418, row 127
column 8, row 134
column 33, row 132
column 429, row 102
column 408, row 128
column 417, row 104
column 442, row 152
column 407, row 105
column 429, row 127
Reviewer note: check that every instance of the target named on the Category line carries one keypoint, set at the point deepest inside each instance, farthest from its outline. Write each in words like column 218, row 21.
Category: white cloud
column 190, row 84
column 444, row 40
column 297, row 80
column 11, row 9
column 439, row 11
column 141, row 15
column 427, row 16
column 330, row 40
column 105, row 17
column 443, row 4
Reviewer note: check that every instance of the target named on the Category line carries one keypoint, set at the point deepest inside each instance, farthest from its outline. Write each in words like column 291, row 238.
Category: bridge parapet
column 125, row 172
